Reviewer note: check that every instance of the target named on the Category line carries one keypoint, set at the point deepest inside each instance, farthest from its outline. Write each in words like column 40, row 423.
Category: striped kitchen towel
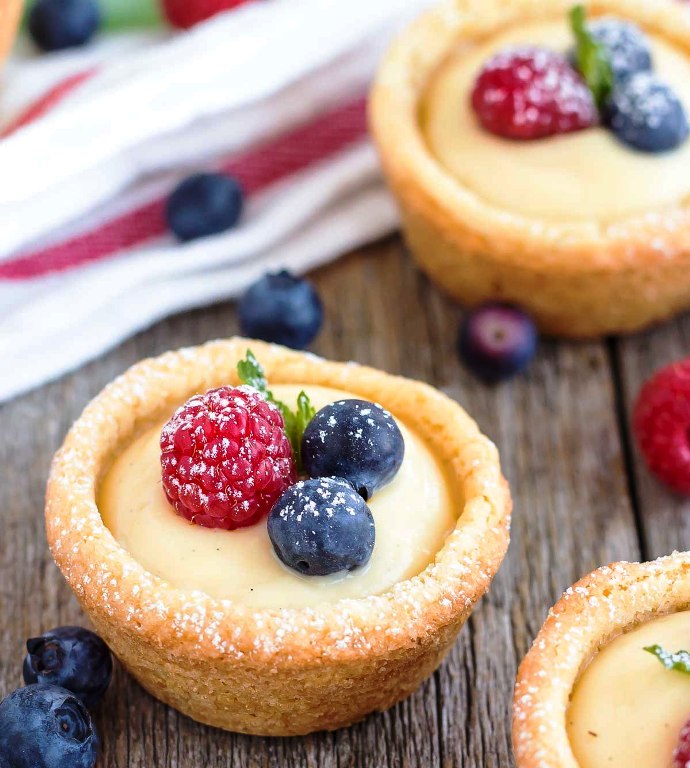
column 92, row 141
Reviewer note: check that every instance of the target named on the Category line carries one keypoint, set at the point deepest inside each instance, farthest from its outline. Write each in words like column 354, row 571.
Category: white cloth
column 159, row 107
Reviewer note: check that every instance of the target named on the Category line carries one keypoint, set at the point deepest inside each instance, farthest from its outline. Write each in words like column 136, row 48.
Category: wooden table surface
column 582, row 499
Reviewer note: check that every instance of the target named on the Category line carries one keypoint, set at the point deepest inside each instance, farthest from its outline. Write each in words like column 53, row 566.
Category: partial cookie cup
column 578, row 279
column 262, row 671
column 10, row 15
column 603, row 605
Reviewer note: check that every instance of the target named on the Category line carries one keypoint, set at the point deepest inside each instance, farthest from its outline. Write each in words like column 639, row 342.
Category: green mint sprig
column 592, row 58
column 678, row 661
column 251, row 373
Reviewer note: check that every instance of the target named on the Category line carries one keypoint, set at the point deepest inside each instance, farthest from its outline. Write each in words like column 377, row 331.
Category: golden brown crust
column 274, row 672
column 10, row 13
column 578, row 279
column 604, row 604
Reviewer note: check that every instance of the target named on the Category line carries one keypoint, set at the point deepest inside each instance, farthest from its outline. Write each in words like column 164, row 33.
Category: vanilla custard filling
column 587, row 175
column 627, row 709
column 413, row 515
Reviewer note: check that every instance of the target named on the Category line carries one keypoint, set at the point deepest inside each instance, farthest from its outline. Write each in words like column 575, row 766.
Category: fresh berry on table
column 497, row 341
column 282, row 309
column 356, row 440
column 58, row 24
column 187, row 13
column 661, row 423
column 204, row 204
column 226, row 458
column 44, row 726
column 531, row 93
column 647, row 115
column 322, row 526
column 70, row 657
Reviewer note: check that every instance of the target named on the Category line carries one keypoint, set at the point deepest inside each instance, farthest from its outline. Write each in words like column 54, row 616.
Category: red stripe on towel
column 47, row 102
column 256, row 169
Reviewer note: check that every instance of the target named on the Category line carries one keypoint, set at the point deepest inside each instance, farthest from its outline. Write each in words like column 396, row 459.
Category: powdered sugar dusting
column 225, row 457
column 530, row 93
column 110, row 583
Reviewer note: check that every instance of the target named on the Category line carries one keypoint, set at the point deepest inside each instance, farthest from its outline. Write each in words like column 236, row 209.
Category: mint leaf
column 251, row 373
column 679, row 661
column 305, row 410
column 592, row 58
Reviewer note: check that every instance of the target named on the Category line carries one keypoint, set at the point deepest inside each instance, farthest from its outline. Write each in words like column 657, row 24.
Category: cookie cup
column 261, row 671
column 590, row 614
column 578, row 279
column 10, row 15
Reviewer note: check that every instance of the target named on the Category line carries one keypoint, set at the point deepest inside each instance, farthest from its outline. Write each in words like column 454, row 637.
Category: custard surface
column 627, row 709
column 413, row 514
column 587, row 175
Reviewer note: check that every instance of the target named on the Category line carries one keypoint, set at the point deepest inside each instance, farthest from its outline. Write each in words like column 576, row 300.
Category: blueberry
column 356, row 440
column 322, row 526
column 44, row 726
column 58, row 24
column 646, row 114
column 204, row 204
column 626, row 45
column 282, row 309
column 497, row 341
column 73, row 658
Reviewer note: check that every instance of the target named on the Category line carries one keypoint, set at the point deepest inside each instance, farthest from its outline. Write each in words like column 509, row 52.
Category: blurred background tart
column 575, row 224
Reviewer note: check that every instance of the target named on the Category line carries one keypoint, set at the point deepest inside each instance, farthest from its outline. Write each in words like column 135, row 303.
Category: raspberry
column 225, row 458
column 187, row 13
column 661, row 422
column 531, row 93
column 681, row 755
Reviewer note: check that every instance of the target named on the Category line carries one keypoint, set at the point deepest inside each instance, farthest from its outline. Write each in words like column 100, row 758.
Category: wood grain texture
column 664, row 519
column 561, row 430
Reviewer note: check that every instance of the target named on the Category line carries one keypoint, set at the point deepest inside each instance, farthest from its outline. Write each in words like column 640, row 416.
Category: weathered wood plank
column 557, row 431
column 664, row 517
column 560, row 449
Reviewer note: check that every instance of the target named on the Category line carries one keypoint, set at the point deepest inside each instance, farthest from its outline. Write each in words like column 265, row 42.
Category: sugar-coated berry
column 44, row 726
column 354, row 439
column 322, row 526
column 58, row 24
column 225, row 458
column 532, row 93
column 646, row 114
column 626, row 45
column 70, row 657
column 204, row 204
column 497, row 341
column 282, row 309
column 187, row 13
column 681, row 754
column 661, row 423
